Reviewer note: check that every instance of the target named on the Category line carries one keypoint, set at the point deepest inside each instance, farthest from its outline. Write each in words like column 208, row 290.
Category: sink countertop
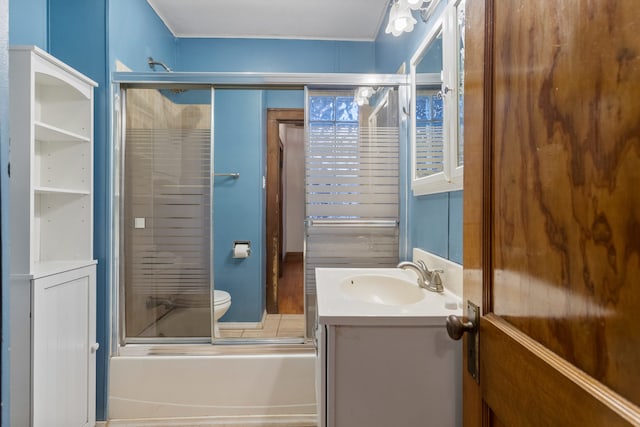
column 337, row 308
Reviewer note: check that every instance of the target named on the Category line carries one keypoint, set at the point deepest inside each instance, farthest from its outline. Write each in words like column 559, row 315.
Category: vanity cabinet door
column 64, row 349
column 402, row 376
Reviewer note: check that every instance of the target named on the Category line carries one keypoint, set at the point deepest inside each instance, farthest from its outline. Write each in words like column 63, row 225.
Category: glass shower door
column 352, row 183
column 166, row 221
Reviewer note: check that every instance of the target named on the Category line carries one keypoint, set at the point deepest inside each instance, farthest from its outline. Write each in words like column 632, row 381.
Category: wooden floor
column 290, row 285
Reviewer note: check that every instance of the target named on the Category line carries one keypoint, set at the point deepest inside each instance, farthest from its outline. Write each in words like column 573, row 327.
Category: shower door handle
column 94, row 347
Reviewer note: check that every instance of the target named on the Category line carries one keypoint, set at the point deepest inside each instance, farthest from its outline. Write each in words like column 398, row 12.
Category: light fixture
column 415, row 4
column 400, row 18
column 363, row 94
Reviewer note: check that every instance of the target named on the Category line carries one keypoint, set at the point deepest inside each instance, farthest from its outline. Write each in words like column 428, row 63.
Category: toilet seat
column 221, row 297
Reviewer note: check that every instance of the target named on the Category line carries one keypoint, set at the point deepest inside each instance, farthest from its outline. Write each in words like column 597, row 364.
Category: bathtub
column 213, row 385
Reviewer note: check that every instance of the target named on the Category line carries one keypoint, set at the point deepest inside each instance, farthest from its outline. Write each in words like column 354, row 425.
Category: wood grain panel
column 566, row 160
column 564, row 395
column 474, row 112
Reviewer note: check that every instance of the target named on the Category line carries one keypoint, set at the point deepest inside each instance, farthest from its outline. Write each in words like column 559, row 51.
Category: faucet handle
column 436, row 280
column 422, row 265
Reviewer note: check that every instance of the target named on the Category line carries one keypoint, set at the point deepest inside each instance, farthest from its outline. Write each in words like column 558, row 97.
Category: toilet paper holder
column 241, row 248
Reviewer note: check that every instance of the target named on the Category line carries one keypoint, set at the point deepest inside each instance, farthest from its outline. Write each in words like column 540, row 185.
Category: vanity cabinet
column 383, row 362
column 52, row 270
column 378, row 375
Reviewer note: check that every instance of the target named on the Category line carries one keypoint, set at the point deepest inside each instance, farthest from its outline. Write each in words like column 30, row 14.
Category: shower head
column 152, row 64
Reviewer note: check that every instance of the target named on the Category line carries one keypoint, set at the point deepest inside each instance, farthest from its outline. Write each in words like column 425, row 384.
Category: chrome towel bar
column 351, row 223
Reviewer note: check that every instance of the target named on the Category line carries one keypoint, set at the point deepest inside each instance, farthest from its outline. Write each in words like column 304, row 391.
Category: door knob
column 456, row 327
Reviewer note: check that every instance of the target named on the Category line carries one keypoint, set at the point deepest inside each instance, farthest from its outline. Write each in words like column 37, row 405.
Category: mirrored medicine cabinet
column 437, row 101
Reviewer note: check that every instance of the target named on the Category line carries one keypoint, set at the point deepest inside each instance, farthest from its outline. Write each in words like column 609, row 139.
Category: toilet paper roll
column 241, row 251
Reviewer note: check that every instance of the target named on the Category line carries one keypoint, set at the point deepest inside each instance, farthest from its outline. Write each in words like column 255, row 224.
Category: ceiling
column 357, row 20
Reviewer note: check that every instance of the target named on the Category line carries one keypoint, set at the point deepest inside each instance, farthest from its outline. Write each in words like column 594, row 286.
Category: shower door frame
column 119, row 182
column 213, row 80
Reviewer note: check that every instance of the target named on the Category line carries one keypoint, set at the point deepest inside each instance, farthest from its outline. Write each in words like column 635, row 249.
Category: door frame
column 274, row 218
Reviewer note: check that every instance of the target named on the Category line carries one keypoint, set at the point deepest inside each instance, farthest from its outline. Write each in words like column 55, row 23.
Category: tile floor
column 275, row 326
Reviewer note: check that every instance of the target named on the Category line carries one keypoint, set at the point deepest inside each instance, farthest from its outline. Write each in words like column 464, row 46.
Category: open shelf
column 65, row 166
column 62, row 225
column 51, row 162
column 48, row 133
column 52, row 190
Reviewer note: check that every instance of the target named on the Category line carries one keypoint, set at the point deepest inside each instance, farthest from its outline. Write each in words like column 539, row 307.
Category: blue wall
column 28, row 23
column 136, row 33
column 264, row 55
column 238, row 206
column 436, row 224
column 284, row 99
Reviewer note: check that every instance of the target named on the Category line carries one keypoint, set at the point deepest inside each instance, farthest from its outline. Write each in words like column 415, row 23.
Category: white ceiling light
column 363, row 94
column 415, row 4
column 400, row 19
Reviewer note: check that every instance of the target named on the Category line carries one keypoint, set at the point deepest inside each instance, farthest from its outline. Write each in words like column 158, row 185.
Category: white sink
column 382, row 289
column 379, row 297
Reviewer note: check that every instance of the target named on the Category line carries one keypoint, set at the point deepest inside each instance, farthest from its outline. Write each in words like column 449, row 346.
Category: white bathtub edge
column 275, row 421
column 212, row 387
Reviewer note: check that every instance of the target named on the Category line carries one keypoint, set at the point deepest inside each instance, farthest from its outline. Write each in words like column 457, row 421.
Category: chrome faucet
column 427, row 279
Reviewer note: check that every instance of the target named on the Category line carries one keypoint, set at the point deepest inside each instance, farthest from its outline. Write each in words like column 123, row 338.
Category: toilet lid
column 221, row 297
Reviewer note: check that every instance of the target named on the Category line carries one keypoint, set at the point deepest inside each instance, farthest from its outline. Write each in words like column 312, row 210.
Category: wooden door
column 552, row 211
column 274, row 195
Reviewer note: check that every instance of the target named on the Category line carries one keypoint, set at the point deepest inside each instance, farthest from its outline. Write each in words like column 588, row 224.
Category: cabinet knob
column 94, row 347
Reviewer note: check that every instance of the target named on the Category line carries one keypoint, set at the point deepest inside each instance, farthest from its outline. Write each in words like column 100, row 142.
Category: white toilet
column 221, row 303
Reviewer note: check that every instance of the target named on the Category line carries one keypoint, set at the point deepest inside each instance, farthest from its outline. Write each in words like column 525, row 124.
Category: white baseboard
column 249, row 421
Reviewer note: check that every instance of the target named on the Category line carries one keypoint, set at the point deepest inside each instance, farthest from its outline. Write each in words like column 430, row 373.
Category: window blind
column 429, row 142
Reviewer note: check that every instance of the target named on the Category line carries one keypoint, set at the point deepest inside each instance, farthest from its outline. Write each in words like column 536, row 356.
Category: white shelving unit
column 51, row 240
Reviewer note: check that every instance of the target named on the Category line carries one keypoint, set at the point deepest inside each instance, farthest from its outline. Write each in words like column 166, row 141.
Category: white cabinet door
column 64, row 349
column 400, row 376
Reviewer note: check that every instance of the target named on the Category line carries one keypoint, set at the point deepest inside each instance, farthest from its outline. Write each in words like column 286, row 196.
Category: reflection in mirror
column 429, row 111
column 437, row 105
column 460, row 23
